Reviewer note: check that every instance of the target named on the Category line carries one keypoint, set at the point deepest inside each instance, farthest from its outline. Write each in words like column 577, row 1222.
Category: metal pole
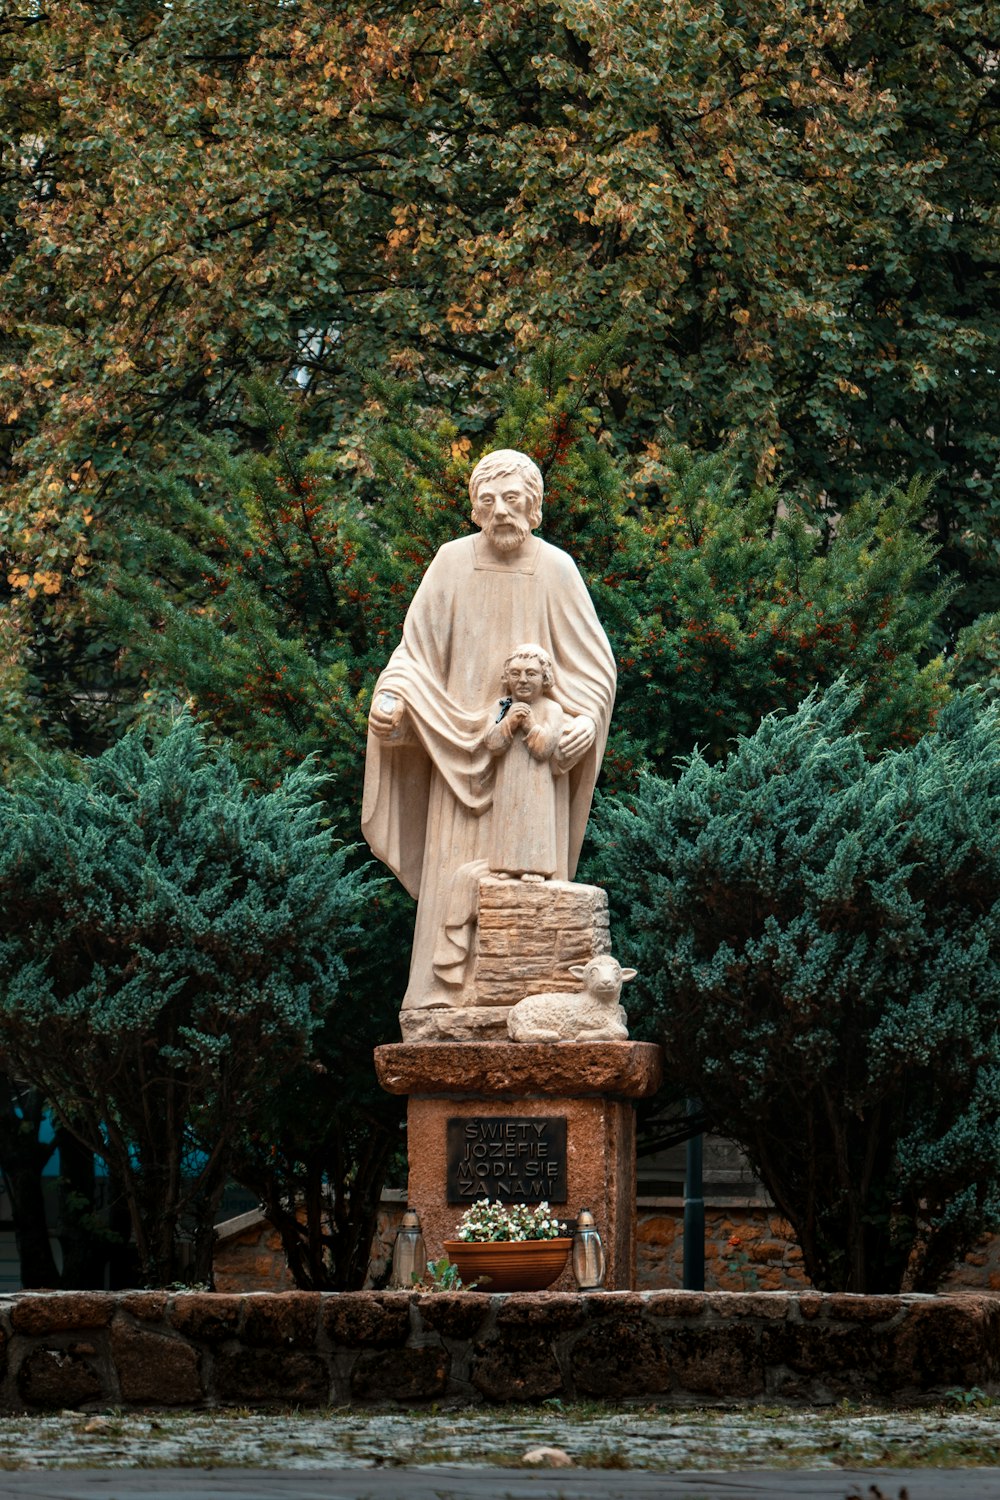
column 694, row 1211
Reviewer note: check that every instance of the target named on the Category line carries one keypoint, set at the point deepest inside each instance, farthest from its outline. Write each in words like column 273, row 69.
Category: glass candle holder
column 409, row 1254
column 588, row 1253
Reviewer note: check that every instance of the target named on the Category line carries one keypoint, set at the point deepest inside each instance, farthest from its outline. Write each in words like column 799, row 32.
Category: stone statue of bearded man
column 428, row 776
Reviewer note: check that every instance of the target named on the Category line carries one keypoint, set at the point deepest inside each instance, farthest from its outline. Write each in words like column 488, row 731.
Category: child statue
column 523, row 740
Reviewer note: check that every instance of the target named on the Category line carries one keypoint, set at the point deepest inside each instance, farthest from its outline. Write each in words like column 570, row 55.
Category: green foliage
column 818, row 941
column 793, row 210
column 737, row 607
column 170, row 940
column 721, row 602
column 272, row 600
column 441, row 1276
column 17, row 723
column 977, row 655
column 282, row 591
column 794, row 213
column 969, row 1398
column 322, row 1145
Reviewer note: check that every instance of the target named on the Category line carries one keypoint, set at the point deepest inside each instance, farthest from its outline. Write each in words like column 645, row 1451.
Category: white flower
column 491, row 1221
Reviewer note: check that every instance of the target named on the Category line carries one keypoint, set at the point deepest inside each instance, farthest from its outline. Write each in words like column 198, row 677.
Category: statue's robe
column 428, row 794
column 525, row 788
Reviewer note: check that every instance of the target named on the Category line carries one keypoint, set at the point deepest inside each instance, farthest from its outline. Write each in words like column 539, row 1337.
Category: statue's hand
column 576, row 739
column 535, row 739
column 385, row 716
column 517, row 717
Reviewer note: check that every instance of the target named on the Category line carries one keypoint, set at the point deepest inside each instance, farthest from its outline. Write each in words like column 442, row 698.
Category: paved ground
column 593, row 1435
column 951, row 1452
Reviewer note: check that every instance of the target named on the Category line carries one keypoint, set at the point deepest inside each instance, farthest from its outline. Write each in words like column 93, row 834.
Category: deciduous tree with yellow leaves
column 793, row 207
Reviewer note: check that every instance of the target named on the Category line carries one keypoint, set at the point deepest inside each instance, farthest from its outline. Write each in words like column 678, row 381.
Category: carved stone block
column 471, row 1023
column 530, row 934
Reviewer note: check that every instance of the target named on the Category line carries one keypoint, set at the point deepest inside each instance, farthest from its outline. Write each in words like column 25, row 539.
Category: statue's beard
column 507, row 536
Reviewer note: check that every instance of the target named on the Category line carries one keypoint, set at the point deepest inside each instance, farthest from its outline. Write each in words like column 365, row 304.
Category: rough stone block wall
column 977, row 1271
column 252, row 1261
column 747, row 1249
column 93, row 1350
column 751, row 1248
column 529, row 935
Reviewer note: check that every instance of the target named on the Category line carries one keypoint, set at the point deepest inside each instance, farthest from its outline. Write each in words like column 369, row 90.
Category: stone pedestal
column 589, row 1085
column 526, row 939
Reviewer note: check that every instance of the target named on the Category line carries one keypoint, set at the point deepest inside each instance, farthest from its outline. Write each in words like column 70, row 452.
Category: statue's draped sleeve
column 585, row 684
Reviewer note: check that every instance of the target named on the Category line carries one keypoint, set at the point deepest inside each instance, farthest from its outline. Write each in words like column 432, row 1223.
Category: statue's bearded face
column 503, row 508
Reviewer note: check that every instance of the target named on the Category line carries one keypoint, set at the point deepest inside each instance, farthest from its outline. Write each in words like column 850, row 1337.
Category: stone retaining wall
column 93, row 1350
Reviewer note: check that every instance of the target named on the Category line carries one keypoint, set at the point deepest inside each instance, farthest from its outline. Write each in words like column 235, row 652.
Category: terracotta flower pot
column 508, row 1265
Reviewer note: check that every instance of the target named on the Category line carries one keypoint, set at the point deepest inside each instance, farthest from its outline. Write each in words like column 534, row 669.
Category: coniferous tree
column 817, row 935
column 170, row 941
column 274, row 593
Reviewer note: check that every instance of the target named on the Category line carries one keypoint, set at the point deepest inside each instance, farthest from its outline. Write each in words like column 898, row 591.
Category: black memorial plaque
column 513, row 1160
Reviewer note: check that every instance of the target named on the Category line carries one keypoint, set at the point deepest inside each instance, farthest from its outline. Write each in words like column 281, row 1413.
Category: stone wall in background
column 748, row 1248
column 93, row 1350
column 979, row 1271
column 249, row 1257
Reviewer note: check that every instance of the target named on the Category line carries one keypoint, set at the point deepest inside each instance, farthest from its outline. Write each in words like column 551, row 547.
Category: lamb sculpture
column 590, row 1015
